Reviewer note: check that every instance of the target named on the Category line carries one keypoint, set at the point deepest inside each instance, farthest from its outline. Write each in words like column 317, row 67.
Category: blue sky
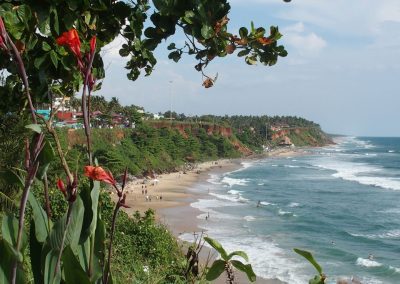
column 342, row 70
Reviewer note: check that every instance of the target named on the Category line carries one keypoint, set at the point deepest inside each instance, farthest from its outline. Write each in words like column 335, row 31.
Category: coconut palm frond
column 7, row 204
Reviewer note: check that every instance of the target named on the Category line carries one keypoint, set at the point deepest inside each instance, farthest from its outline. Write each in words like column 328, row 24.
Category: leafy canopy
column 34, row 26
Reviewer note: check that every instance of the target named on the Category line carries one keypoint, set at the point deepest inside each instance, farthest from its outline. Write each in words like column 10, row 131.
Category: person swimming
column 259, row 203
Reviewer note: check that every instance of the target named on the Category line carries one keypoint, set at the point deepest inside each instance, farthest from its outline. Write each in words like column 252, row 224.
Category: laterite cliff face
column 302, row 136
column 210, row 129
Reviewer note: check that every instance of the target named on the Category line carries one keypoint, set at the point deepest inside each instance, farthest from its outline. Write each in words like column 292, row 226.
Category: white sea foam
column 367, row 262
column 391, row 211
column 234, row 181
column 214, row 179
column 234, row 198
column 249, row 218
column 286, row 213
column 267, row 203
column 359, row 172
column 391, row 151
column 234, row 192
column 294, row 204
column 261, row 183
column 274, row 165
column 291, row 166
column 391, row 234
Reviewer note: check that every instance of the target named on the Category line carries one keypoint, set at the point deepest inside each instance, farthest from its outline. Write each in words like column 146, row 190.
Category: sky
column 342, row 71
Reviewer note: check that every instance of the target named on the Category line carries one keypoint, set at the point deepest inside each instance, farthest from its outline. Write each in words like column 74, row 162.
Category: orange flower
column 98, row 173
column 71, row 39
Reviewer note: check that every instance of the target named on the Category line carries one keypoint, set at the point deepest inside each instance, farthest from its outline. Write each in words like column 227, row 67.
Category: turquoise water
column 340, row 202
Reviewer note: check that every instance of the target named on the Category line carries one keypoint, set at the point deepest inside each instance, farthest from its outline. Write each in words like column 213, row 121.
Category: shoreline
column 179, row 190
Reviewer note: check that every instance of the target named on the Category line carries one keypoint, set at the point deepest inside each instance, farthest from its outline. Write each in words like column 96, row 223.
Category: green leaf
column 90, row 198
column 8, row 256
column 243, row 52
column 246, row 268
column 73, row 230
column 54, row 58
column 171, row 46
column 207, row 31
column 49, row 268
column 46, row 156
column 239, row 253
column 34, row 127
column 9, row 231
column 73, row 271
column 46, row 46
column 35, row 253
column 39, row 219
column 317, row 280
column 243, row 32
column 251, row 60
column 217, row 246
column 307, row 255
column 216, row 269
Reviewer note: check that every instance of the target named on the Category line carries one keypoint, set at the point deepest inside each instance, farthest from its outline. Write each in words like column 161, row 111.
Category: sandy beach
column 170, row 195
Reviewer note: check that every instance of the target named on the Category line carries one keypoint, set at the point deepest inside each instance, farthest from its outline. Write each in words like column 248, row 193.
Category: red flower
column 71, row 39
column 98, row 173
column 61, row 187
column 92, row 44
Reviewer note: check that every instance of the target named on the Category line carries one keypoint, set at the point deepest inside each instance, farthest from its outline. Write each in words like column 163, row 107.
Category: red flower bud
column 61, row 187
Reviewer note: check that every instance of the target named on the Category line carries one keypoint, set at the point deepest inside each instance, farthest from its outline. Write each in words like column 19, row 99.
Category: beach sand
column 173, row 208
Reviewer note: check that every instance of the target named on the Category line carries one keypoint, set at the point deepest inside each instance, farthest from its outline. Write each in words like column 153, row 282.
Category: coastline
column 179, row 190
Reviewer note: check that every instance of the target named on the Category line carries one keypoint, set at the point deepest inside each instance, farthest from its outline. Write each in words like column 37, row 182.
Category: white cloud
column 306, row 44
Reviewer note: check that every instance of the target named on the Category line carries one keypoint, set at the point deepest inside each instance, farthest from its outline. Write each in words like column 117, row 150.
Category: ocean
column 340, row 202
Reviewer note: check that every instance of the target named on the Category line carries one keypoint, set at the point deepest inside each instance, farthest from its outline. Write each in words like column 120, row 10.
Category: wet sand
column 177, row 193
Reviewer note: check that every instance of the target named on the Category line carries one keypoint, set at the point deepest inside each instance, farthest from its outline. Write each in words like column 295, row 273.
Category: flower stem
column 108, row 265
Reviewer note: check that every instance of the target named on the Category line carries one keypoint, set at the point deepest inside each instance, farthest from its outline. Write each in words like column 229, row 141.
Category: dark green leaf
column 243, row 52
column 54, row 58
column 246, row 268
column 35, row 248
column 72, row 269
column 216, row 269
column 307, row 255
column 8, row 256
column 243, row 32
column 171, row 46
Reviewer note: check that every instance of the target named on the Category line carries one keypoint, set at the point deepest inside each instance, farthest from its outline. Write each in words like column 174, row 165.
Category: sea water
column 340, row 202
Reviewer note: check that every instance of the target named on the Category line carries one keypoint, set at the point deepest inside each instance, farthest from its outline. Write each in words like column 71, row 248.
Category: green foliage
column 317, row 279
column 225, row 263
